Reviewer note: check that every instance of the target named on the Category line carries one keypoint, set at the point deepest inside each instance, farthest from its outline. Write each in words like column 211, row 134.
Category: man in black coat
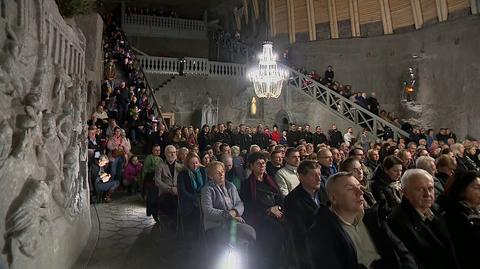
column 259, row 138
column 307, row 134
column 293, row 136
column 222, row 135
column 318, row 137
column 423, row 233
column 344, row 236
column 335, row 137
column 242, row 139
column 301, row 204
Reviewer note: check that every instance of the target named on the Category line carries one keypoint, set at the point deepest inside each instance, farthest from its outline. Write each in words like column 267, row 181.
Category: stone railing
column 191, row 66
column 342, row 106
column 156, row 26
column 64, row 45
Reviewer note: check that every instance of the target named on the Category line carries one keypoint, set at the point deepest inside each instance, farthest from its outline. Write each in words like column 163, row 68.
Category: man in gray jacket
column 222, row 208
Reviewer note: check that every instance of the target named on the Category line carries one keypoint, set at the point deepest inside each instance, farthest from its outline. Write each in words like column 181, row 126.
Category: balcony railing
column 156, row 26
column 191, row 66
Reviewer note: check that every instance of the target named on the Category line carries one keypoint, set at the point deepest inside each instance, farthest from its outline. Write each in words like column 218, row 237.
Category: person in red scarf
column 276, row 135
column 263, row 210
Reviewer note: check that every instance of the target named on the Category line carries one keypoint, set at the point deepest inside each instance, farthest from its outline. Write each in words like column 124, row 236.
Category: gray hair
column 413, row 173
column 424, row 162
column 170, row 147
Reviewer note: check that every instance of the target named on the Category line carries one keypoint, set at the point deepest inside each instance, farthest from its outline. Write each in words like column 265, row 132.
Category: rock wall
column 92, row 27
column 44, row 213
column 445, row 57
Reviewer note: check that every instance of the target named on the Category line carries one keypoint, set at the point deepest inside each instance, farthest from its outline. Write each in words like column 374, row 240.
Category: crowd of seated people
column 362, row 192
column 339, row 200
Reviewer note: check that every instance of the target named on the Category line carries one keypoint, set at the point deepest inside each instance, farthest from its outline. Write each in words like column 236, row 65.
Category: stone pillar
column 475, row 6
column 354, row 17
column 256, row 11
column 442, row 10
column 386, row 17
column 312, row 32
column 417, row 13
column 245, row 10
column 291, row 21
column 332, row 16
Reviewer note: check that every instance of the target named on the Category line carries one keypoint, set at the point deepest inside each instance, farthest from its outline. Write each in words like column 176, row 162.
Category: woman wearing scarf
column 190, row 182
column 386, row 187
column 262, row 201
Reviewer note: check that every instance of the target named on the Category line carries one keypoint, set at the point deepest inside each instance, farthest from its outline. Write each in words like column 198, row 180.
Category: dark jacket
column 292, row 138
column 428, row 241
column 308, row 136
column 256, row 203
column 336, row 138
column 272, row 170
column 260, row 139
column 189, row 196
column 318, row 138
column 330, row 245
column 464, row 227
column 442, row 179
column 242, row 140
column 223, row 138
column 300, row 212
column 382, row 192
column 203, row 141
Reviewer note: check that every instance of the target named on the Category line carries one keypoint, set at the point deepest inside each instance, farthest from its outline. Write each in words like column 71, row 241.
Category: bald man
column 345, row 236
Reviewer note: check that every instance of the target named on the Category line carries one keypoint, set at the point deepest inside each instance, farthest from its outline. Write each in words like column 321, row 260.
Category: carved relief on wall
column 42, row 130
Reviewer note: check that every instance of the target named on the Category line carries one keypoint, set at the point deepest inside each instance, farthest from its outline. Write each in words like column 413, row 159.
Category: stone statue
column 253, row 107
column 209, row 113
column 6, row 136
column 27, row 221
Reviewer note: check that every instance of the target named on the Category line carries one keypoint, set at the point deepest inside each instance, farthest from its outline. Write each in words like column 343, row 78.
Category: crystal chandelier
column 267, row 78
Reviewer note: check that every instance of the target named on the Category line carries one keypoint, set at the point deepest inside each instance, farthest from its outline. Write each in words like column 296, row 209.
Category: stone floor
column 129, row 239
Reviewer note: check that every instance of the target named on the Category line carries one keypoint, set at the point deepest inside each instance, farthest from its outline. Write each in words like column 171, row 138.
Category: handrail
column 342, row 106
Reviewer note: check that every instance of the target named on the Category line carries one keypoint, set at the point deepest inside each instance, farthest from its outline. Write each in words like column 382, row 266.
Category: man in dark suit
column 423, row 233
column 301, row 204
column 344, row 236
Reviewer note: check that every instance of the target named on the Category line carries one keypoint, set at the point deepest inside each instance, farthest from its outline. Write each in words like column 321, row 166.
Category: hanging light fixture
column 267, row 79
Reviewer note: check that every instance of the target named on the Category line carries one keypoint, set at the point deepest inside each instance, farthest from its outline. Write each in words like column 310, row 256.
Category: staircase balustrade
column 342, row 106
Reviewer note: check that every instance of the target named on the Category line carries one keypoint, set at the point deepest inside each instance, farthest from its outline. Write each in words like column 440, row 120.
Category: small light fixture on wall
column 267, row 78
